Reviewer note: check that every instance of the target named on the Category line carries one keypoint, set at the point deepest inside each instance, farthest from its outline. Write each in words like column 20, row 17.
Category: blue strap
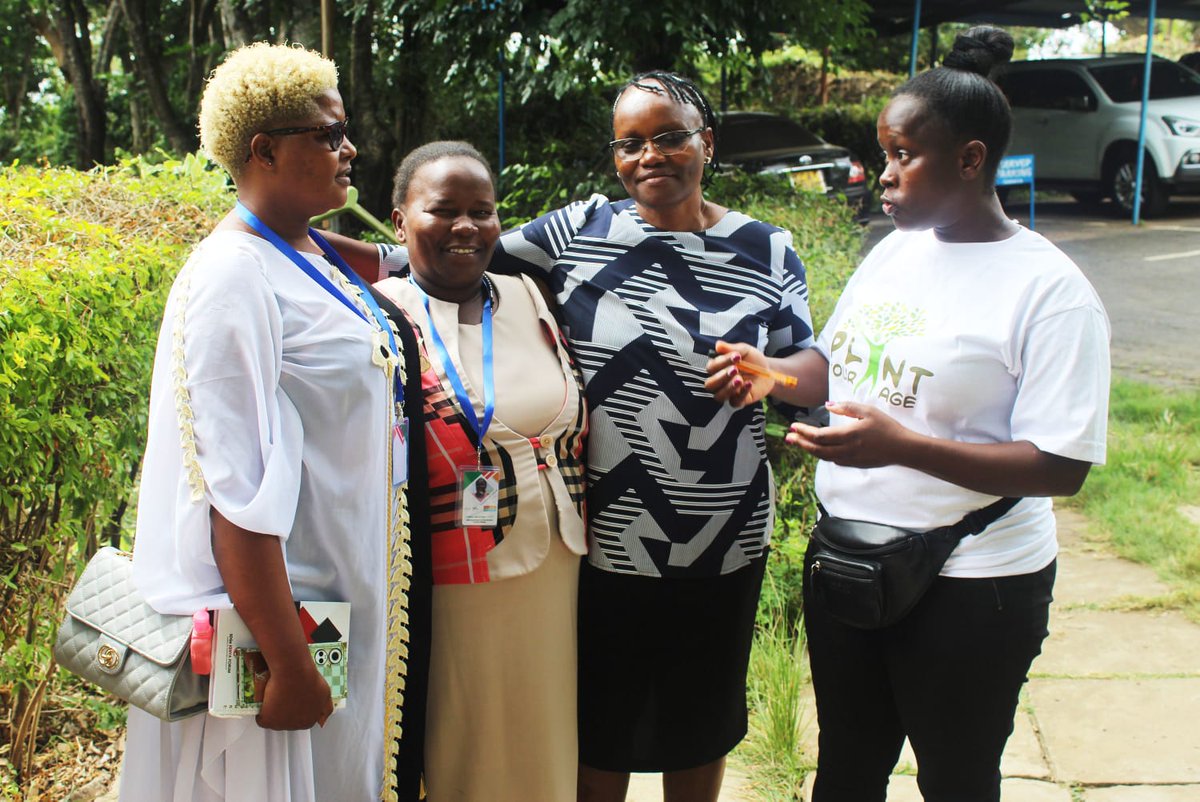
column 489, row 379
column 316, row 275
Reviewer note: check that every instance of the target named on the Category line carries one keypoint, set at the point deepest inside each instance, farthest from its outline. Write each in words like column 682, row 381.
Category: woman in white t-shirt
column 967, row 360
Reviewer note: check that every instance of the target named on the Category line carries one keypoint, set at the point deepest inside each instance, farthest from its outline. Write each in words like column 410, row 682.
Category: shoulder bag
column 111, row 637
column 871, row 575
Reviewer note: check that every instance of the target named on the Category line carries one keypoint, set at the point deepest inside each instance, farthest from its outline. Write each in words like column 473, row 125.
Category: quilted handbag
column 111, row 637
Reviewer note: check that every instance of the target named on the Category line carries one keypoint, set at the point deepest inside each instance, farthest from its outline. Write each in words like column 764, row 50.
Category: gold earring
column 708, row 159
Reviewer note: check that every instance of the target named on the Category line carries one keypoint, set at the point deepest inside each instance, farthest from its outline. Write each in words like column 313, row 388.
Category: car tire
column 1121, row 182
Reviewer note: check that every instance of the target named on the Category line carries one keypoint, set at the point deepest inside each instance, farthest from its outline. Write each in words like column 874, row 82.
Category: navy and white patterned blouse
column 678, row 484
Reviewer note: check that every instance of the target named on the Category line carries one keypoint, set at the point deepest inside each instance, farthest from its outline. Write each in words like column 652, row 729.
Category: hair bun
column 980, row 50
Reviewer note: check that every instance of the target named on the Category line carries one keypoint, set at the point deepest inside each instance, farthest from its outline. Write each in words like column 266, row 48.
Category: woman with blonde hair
column 273, row 473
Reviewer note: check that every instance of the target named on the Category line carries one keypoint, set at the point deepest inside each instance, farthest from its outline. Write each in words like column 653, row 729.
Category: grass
column 1136, row 501
column 781, row 715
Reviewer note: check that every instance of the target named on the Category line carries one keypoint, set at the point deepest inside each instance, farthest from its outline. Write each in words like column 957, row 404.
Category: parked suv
column 769, row 143
column 1079, row 118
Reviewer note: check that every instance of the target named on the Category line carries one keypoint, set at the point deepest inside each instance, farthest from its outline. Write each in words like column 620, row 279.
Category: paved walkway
column 1112, row 709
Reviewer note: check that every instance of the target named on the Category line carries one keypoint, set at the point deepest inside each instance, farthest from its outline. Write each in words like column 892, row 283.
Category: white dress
column 269, row 403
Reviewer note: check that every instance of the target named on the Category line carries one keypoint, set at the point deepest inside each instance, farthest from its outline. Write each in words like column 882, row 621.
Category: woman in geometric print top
column 504, row 421
column 680, row 493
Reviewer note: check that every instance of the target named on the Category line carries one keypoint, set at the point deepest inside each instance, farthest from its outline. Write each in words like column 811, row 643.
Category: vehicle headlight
column 1182, row 126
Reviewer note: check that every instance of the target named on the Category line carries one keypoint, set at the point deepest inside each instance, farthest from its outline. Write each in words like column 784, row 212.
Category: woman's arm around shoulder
column 363, row 257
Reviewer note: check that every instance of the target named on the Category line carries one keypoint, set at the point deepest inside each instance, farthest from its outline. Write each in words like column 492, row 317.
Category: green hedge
column 86, row 260
column 851, row 126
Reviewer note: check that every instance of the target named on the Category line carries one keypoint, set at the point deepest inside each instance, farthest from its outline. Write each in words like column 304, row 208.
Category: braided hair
column 961, row 94
column 683, row 91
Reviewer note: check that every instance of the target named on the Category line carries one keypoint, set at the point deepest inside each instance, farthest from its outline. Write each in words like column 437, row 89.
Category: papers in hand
column 239, row 671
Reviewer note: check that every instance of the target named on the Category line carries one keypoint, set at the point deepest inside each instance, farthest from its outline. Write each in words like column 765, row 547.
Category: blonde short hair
column 256, row 87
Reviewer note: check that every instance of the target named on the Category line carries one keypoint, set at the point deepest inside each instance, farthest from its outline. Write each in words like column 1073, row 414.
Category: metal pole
column 1141, row 153
column 916, row 30
column 1032, row 221
column 500, row 114
column 724, row 101
column 327, row 28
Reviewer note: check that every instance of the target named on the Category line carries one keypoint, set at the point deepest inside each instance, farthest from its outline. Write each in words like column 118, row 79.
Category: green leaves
column 86, row 260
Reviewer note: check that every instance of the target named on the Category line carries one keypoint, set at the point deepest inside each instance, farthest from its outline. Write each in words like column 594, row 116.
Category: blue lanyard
column 316, row 275
column 489, row 378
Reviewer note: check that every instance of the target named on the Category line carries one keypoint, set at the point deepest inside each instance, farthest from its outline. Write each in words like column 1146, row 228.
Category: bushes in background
column 86, row 260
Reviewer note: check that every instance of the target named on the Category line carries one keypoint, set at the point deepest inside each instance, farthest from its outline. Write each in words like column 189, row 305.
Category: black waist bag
column 871, row 575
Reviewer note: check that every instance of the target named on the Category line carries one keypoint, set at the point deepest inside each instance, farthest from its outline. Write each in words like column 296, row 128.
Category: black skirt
column 662, row 667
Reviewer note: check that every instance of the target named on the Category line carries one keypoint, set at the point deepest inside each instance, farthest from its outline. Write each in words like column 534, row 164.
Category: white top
column 269, row 381
column 976, row 342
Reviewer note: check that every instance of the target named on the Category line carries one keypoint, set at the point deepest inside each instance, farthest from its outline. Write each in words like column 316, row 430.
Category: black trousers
column 947, row 676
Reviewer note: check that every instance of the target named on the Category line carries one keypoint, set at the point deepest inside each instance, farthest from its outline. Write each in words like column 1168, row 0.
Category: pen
column 781, row 378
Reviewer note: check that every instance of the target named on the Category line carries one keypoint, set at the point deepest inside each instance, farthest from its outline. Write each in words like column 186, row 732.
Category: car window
column 1047, row 89
column 1020, row 88
column 763, row 133
column 1123, row 82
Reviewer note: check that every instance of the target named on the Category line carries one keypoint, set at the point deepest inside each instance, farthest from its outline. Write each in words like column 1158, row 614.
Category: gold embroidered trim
column 183, row 400
column 399, row 558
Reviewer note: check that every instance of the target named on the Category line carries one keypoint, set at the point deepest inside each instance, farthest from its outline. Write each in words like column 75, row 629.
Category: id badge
column 400, row 452
column 478, row 495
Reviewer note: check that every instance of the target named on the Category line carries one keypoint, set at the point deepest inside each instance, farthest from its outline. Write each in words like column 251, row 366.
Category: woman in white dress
column 268, row 473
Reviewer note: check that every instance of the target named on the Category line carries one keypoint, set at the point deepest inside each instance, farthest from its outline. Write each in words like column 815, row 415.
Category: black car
column 769, row 143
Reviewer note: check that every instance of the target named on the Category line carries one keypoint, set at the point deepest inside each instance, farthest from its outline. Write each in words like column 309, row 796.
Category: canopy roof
column 894, row 16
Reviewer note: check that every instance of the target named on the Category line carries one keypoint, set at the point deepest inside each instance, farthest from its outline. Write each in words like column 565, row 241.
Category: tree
column 66, row 26
column 411, row 69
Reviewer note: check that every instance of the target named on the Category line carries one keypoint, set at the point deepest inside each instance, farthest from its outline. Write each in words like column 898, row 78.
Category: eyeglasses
column 336, row 131
column 668, row 144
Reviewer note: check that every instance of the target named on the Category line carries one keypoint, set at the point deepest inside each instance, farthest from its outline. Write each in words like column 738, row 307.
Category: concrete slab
column 1142, row 793
column 1108, row 732
column 1086, row 576
column 648, row 788
column 903, row 788
column 1102, row 643
column 1023, row 790
column 1023, row 753
column 1074, row 534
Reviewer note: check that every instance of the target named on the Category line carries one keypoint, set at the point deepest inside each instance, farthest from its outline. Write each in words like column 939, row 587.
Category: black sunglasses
column 336, row 131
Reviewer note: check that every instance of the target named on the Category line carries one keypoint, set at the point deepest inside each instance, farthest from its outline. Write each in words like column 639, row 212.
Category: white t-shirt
column 984, row 342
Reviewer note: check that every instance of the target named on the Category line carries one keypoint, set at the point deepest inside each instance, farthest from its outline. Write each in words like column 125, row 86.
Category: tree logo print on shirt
column 877, row 325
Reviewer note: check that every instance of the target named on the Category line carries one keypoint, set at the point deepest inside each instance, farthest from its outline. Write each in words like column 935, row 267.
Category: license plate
column 810, row 180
